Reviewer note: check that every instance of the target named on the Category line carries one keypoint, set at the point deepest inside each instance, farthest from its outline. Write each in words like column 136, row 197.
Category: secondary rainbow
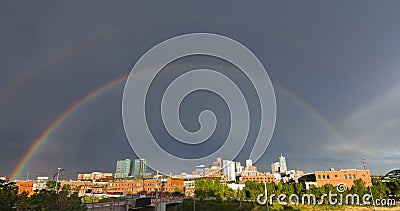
column 43, row 137
column 38, row 142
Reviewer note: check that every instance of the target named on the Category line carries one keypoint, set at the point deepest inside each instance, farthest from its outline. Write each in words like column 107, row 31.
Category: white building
column 249, row 163
column 40, row 183
column 280, row 166
column 229, row 170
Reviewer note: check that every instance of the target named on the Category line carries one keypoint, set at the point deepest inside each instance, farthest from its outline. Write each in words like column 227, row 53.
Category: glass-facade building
column 139, row 168
column 124, row 168
column 131, row 169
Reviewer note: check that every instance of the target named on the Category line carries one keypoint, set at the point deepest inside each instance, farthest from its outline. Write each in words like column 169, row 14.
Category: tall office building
column 282, row 164
column 139, row 168
column 124, row 168
column 131, row 168
column 229, row 170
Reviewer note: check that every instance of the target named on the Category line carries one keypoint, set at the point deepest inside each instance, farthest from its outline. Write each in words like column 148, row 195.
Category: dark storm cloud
column 337, row 56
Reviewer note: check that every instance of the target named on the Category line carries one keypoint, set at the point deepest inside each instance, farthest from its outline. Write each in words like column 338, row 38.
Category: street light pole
column 59, row 170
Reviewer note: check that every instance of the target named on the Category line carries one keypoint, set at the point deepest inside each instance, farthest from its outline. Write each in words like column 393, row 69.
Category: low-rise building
column 343, row 176
column 40, row 183
column 86, row 187
column 269, row 178
column 124, row 187
column 95, row 176
column 149, row 186
column 31, row 186
column 336, row 177
column 164, row 185
column 25, row 187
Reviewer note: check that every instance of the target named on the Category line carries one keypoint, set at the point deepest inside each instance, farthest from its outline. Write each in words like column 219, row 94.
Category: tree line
column 51, row 198
column 207, row 188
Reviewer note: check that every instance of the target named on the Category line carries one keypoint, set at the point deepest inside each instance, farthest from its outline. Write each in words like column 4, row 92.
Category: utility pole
column 266, row 191
column 143, row 179
column 369, row 187
column 240, row 199
column 157, row 185
column 142, row 166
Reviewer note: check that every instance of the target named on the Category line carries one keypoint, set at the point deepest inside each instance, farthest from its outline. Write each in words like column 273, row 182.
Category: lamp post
column 59, row 170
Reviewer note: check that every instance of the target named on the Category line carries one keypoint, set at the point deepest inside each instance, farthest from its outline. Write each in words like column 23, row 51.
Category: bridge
column 163, row 205
column 136, row 204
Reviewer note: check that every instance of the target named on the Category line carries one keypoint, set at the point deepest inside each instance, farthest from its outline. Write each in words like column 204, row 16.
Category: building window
column 327, row 177
column 335, row 175
column 319, row 176
column 323, row 176
column 345, row 176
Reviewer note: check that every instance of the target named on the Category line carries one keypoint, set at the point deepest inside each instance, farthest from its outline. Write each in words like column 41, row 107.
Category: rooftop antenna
column 364, row 163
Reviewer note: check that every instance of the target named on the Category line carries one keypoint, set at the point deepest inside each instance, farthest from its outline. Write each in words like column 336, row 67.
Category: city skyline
column 333, row 66
column 231, row 169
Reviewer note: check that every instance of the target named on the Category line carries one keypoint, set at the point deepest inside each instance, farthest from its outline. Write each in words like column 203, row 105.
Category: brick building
column 259, row 177
column 346, row 176
column 25, row 186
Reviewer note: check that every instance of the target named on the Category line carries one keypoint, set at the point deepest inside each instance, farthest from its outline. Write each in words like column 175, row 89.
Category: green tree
column 329, row 188
column 212, row 188
column 50, row 199
column 279, row 188
column 317, row 191
column 298, row 188
column 394, row 187
column 379, row 189
column 288, row 188
column 44, row 200
column 8, row 195
column 23, row 201
column 359, row 187
column 253, row 189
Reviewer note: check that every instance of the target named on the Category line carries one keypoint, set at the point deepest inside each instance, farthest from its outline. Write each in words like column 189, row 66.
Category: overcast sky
column 334, row 65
